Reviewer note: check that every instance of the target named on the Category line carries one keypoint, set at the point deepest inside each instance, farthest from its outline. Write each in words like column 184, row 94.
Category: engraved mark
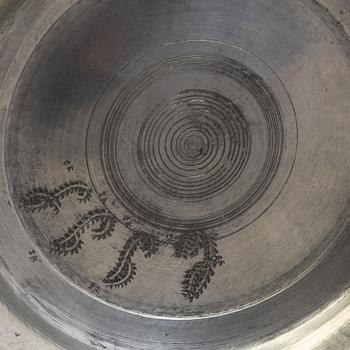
column 33, row 257
column 69, row 166
column 94, row 288
column 103, row 197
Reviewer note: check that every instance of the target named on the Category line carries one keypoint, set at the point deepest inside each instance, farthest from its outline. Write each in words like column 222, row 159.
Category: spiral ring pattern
column 192, row 141
column 193, row 146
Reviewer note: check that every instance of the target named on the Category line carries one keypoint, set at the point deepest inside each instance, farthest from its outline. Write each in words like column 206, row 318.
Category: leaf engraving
column 42, row 198
column 198, row 277
column 101, row 222
column 125, row 269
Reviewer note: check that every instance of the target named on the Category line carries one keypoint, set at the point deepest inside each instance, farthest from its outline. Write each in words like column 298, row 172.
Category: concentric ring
column 192, row 146
column 177, row 157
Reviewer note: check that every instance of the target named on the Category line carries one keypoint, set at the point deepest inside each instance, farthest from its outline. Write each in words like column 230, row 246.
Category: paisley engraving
column 125, row 269
column 100, row 221
column 42, row 197
column 198, row 277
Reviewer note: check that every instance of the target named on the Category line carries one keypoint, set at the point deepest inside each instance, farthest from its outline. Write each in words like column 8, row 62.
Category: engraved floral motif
column 125, row 269
column 101, row 223
column 41, row 198
column 198, row 277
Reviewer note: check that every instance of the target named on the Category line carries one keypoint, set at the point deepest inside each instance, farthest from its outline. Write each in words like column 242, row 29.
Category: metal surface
column 174, row 173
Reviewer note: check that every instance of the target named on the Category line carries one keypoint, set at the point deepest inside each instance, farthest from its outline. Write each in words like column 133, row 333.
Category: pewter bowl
column 175, row 174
